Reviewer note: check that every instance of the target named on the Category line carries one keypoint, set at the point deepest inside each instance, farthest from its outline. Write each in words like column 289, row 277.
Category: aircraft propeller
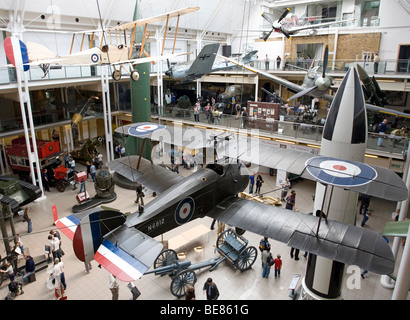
column 322, row 83
column 169, row 71
column 276, row 25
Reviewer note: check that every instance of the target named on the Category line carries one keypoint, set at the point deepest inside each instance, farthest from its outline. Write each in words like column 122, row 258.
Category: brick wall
column 348, row 45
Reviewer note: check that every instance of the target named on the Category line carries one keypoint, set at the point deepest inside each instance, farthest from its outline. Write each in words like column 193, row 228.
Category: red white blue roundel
column 94, row 58
column 341, row 173
column 141, row 129
column 184, row 210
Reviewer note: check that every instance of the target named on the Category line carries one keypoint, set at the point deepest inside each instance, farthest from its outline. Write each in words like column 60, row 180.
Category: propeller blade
column 267, row 35
column 302, row 93
column 325, row 61
column 267, row 17
column 284, row 14
column 287, row 35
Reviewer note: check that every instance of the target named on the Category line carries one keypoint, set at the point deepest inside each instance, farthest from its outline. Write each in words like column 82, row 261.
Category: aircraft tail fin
column 16, row 52
column 66, row 225
column 249, row 57
column 204, row 61
column 93, row 225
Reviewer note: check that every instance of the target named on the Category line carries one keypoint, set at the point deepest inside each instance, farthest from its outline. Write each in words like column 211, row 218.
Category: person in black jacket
column 211, row 290
column 29, row 269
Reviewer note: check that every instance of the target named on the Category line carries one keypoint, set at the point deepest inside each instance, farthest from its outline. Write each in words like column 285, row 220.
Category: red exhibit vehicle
column 17, row 156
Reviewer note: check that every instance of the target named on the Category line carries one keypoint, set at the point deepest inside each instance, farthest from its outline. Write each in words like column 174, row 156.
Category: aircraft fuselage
column 190, row 199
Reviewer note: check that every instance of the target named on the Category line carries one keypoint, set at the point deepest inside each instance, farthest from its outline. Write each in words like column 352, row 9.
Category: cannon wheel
column 222, row 236
column 181, row 282
column 60, row 186
column 165, row 258
column 246, row 258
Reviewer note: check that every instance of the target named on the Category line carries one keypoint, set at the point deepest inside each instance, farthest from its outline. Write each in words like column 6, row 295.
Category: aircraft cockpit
column 219, row 169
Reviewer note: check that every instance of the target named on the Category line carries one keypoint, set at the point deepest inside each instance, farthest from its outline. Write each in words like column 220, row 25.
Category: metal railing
column 401, row 66
column 287, row 130
column 386, row 66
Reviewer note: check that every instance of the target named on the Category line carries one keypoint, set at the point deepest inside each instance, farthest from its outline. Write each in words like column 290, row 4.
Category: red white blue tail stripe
column 87, row 237
column 119, row 263
column 66, row 225
column 16, row 52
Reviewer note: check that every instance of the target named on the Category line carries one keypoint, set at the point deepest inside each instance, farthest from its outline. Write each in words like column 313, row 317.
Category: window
column 370, row 13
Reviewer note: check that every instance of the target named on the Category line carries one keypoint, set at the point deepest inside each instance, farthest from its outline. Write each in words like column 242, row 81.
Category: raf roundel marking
column 341, row 173
column 144, row 128
column 94, row 58
column 184, row 210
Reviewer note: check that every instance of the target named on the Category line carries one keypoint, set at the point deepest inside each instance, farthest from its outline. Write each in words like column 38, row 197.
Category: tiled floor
column 233, row 285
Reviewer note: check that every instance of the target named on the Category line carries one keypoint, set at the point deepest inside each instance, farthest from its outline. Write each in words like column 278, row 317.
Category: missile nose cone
column 346, row 121
column 362, row 73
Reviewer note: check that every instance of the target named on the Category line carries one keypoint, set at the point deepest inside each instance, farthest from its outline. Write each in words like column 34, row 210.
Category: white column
column 105, row 87
column 256, row 88
column 403, row 277
column 24, row 98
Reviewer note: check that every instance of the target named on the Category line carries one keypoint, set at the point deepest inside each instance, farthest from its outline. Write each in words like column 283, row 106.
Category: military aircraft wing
column 151, row 176
column 277, row 79
column 387, row 111
column 148, row 59
column 294, row 30
column 195, row 138
column 356, row 176
column 335, row 240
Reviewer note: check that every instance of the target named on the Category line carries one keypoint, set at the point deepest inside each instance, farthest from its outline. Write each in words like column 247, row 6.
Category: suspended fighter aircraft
column 205, row 64
column 279, row 26
column 316, row 84
column 126, row 248
column 116, row 53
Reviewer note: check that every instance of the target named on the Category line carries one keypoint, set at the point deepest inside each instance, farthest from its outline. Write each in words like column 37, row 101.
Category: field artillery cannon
column 232, row 248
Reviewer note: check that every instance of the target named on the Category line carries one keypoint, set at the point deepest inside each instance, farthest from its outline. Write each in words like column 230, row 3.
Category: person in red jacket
column 278, row 266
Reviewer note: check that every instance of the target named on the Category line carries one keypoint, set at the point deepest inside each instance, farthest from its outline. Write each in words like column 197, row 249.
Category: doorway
column 312, row 50
column 403, row 61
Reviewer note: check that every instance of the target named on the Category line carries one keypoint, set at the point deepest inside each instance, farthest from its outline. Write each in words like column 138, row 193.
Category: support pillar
column 105, row 85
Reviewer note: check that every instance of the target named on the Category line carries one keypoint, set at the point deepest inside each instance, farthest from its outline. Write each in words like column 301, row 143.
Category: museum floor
column 233, row 285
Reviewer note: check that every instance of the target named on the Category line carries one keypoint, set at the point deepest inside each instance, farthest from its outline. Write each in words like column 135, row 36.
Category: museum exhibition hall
column 230, row 150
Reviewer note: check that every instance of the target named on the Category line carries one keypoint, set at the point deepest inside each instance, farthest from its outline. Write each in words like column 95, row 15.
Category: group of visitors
column 267, row 62
column 268, row 260
column 119, row 151
column 259, row 182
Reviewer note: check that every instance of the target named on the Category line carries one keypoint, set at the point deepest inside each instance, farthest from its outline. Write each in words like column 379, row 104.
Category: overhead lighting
column 371, row 156
column 313, row 146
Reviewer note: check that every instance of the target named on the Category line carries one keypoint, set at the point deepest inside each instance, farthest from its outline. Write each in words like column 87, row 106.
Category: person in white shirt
column 100, row 159
column 58, row 272
column 114, row 287
column 55, row 247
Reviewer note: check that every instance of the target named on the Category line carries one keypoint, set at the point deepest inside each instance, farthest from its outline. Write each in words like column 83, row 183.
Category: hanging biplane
column 126, row 247
column 117, row 52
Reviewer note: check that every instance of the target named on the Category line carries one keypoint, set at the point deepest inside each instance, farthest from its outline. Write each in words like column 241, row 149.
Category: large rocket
column 345, row 138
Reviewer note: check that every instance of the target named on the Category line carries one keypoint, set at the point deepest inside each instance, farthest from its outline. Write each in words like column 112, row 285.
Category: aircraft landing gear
column 116, row 75
column 135, row 75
